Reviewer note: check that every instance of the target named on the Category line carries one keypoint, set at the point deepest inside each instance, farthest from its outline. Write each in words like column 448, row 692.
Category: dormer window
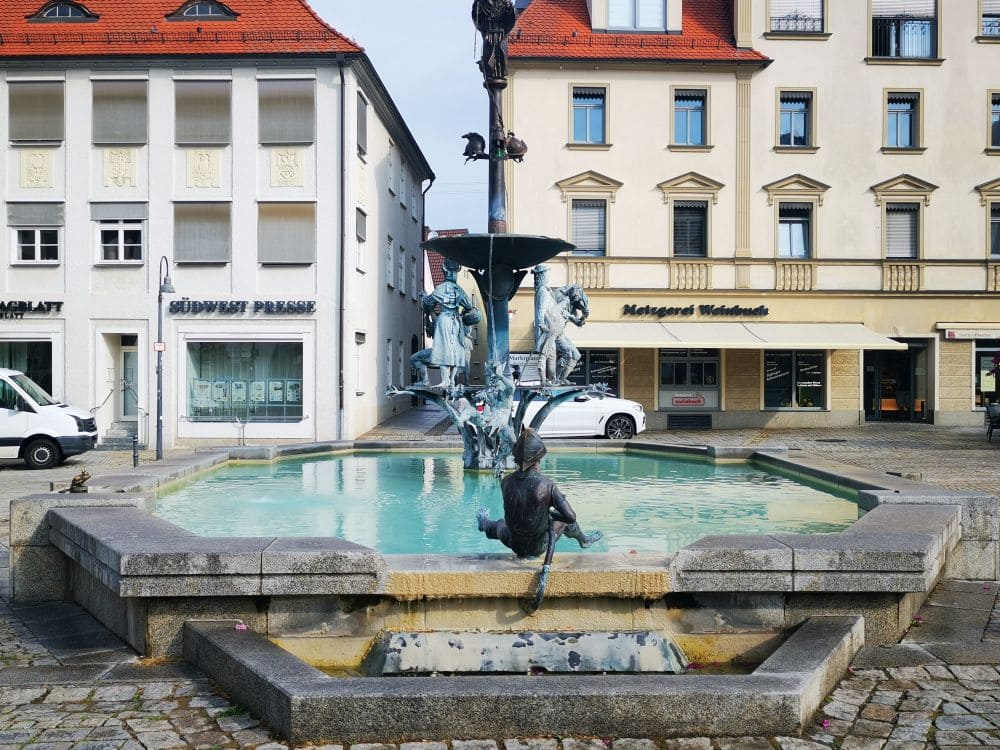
column 202, row 10
column 63, row 11
column 637, row 15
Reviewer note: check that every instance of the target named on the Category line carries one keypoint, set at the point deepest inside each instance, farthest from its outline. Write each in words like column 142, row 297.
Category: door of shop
column 128, row 406
column 896, row 385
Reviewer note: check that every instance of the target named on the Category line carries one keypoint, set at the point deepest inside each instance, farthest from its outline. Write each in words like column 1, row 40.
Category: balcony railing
column 991, row 26
column 904, row 37
column 797, row 22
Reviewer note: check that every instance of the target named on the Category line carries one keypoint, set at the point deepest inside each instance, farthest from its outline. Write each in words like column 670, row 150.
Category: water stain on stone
column 574, row 659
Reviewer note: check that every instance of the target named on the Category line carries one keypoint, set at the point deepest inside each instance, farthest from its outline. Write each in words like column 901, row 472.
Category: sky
column 425, row 54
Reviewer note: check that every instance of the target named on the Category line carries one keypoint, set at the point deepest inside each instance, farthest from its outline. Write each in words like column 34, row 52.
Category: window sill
column 36, row 144
column 688, row 148
column 988, row 39
column 904, row 60
column 796, row 149
column 118, row 263
column 360, row 270
column 908, row 150
column 799, row 36
column 30, row 263
column 992, row 150
column 588, row 146
column 178, row 262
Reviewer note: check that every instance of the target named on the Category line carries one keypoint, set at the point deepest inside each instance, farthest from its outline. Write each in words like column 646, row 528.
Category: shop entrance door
column 128, row 400
column 896, row 385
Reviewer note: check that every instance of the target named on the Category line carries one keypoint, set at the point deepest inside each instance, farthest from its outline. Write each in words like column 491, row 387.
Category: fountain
column 498, row 261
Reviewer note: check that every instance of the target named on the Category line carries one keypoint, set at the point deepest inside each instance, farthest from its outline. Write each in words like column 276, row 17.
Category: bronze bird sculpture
column 516, row 148
column 475, row 148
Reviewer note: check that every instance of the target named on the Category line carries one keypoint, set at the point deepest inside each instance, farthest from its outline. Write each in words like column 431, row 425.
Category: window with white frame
column 203, row 10
column 286, row 233
column 362, row 125
column 795, row 119
column 995, row 121
column 202, row 233
column 36, row 111
column 120, row 231
column 902, row 120
column 64, row 12
column 413, row 277
column 402, row 364
column 690, row 109
column 637, row 15
column 904, row 28
column 991, row 18
column 795, row 230
column 37, row 229
column 403, row 189
column 359, row 363
column 413, row 200
column 402, row 270
column 390, row 264
column 361, row 234
column 119, row 112
column 589, row 227
column 287, row 111
column 202, row 113
column 388, row 362
column 797, row 16
column 902, row 230
column 995, row 229
column 390, row 168
column 589, row 122
column 690, row 229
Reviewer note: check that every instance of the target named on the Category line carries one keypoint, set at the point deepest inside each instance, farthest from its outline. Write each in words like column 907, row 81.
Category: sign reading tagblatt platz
column 186, row 306
column 17, row 309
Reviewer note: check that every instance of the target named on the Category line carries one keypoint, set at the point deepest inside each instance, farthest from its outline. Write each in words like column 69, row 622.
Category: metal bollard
column 135, row 451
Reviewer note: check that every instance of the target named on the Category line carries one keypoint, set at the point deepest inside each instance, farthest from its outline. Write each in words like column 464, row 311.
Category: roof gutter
column 342, row 305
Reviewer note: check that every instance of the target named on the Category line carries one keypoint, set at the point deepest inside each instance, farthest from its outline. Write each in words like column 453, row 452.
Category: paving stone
column 839, row 710
column 938, row 671
column 492, row 745
column 20, row 696
column 954, row 737
column 149, row 725
column 913, row 718
column 865, row 728
column 50, row 746
column 62, row 694
column 891, row 745
column 794, row 743
column 62, row 735
column 849, row 696
column 440, row 745
column 962, row 722
column 983, row 673
column 110, row 734
column 16, row 736
column 528, row 744
column 250, row 737
column 862, row 743
column 914, row 732
column 207, row 739
column 887, row 697
column 626, row 743
column 982, row 707
column 99, row 745
column 745, row 743
column 159, row 740
column 691, row 743
column 272, row 746
column 237, row 722
column 907, row 673
column 987, row 738
column 878, row 712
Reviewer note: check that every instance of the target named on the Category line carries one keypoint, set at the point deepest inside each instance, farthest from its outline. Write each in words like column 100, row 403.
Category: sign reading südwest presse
column 691, row 311
column 185, row 306
column 17, row 309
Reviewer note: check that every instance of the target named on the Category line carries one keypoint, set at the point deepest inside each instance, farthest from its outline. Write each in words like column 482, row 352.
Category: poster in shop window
column 293, row 391
column 258, row 394
column 220, row 392
column 238, row 392
column 203, row 394
column 276, row 392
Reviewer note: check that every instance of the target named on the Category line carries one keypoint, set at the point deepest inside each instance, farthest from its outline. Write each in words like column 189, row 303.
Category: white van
column 37, row 428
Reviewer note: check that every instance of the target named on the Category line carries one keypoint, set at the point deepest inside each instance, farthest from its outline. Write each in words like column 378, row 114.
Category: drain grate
column 689, row 421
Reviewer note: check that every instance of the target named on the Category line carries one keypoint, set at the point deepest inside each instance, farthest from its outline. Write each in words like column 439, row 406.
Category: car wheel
column 620, row 427
column 42, row 454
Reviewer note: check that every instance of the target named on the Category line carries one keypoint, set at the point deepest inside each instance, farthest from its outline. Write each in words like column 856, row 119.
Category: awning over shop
column 656, row 335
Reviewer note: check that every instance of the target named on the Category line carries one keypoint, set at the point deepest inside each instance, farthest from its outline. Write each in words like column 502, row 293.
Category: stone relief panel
column 287, row 167
column 120, row 167
column 203, row 168
column 37, row 169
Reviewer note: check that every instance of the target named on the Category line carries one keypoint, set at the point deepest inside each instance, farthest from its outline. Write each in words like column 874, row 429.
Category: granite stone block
column 38, row 574
column 850, row 552
column 305, row 585
column 29, row 515
column 868, row 582
column 744, row 581
column 980, row 512
column 320, row 556
column 974, row 561
column 734, row 553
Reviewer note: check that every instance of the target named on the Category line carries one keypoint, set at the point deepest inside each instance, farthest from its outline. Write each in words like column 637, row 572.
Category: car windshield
column 34, row 390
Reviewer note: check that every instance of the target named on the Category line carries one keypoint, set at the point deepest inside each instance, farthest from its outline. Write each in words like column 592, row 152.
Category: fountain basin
column 516, row 251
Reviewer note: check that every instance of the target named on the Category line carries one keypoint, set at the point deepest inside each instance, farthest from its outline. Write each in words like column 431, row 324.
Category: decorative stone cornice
column 796, row 186
column 989, row 191
column 903, row 186
column 589, row 183
column 691, row 183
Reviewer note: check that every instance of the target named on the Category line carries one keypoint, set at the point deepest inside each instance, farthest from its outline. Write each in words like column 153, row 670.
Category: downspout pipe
column 342, row 307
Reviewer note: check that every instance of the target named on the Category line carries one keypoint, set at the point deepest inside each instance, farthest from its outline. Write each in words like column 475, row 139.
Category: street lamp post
column 166, row 287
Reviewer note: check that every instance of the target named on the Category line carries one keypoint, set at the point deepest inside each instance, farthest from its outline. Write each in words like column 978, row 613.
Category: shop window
column 904, row 28
column 689, row 379
column 33, row 358
column 286, row 233
column 244, row 381
column 202, row 112
column 987, row 352
column 36, row 111
column 590, row 227
column 589, row 112
column 797, row 16
column 120, row 112
column 202, row 233
column 287, row 111
column 597, row 366
column 37, row 229
column 794, row 380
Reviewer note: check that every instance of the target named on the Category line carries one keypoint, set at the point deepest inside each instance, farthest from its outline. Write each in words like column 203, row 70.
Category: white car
column 586, row 416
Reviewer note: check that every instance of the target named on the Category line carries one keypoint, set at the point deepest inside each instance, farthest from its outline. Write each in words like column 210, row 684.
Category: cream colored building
column 787, row 212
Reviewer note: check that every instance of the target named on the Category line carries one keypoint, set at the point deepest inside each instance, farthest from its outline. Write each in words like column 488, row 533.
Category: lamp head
column 166, row 287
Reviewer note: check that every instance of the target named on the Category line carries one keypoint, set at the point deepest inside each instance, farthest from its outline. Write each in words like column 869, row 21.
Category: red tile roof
column 560, row 29
column 140, row 27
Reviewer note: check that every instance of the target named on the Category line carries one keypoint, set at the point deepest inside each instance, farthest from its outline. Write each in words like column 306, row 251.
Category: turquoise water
column 420, row 503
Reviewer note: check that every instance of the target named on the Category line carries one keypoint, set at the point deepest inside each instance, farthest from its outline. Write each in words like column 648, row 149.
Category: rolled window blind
column 690, row 235
column 286, row 233
column 35, row 215
column 911, row 8
column 589, row 225
column 120, row 112
column 36, row 110
column 901, row 230
column 287, row 111
column 991, row 7
column 202, row 112
column 360, row 224
column 118, row 211
column 202, row 233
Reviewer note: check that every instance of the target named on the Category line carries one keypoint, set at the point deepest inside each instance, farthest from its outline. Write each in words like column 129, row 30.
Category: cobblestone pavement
column 68, row 684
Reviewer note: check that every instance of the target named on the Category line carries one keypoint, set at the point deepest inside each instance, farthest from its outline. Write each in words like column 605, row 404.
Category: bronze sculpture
column 536, row 513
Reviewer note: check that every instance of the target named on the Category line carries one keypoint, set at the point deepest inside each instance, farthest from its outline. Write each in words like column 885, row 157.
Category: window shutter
column 901, row 230
column 588, row 95
column 796, row 96
column 797, row 15
column 35, row 215
column 362, row 124
column 202, row 112
column 689, row 97
column 286, row 233
column 690, row 236
column 361, row 224
column 287, row 111
column 120, row 112
column 589, row 226
column 910, row 8
column 202, row 233
column 36, row 110
column 118, row 211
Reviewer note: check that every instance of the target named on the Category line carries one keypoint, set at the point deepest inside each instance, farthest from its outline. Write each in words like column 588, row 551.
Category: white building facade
column 249, row 151
column 787, row 212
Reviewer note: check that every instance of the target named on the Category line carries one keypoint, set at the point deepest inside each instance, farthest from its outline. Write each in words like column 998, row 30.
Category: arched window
column 202, row 10
column 63, row 11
